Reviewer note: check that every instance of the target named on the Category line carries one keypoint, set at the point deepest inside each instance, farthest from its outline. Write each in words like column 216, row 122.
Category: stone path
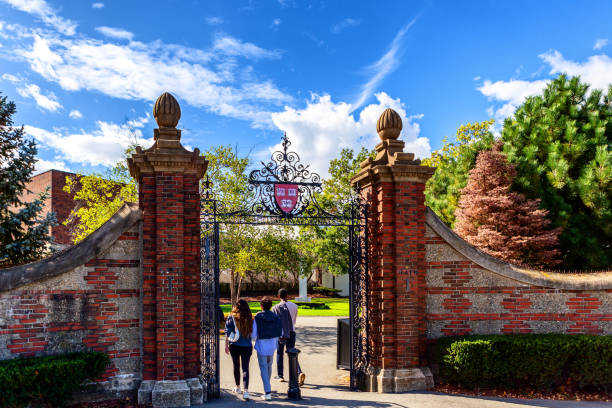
column 327, row 387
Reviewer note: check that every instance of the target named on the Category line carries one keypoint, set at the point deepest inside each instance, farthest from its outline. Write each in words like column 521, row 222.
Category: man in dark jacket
column 287, row 311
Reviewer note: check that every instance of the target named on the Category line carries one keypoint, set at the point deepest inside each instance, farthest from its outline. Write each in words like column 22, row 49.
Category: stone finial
column 166, row 111
column 389, row 125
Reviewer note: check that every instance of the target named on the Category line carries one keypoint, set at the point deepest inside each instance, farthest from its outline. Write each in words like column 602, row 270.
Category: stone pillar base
column 171, row 394
column 400, row 380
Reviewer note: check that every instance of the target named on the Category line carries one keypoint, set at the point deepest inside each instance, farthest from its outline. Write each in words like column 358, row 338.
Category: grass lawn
column 335, row 307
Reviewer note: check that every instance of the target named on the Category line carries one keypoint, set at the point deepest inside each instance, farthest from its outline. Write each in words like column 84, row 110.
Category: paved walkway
column 327, row 387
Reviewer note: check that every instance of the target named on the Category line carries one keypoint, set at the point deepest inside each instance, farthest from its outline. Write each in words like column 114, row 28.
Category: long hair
column 243, row 317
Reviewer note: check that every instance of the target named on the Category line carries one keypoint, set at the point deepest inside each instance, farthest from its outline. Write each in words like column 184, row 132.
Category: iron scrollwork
column 263, row 207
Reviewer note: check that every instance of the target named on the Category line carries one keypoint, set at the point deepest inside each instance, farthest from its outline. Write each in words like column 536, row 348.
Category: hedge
column 543, row 361
column 49, row 380
column 325, row 290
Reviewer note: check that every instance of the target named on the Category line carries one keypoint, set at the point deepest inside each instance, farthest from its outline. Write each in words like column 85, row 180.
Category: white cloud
column 115, row 33
column 213, row 20
column 477, row 78
column 596, row 70
column 384, row 66
column 324, row 127
column 104, row 146
column 97, row 5
column 600, row 43
column 48, row 102
column 346, row 23
column 42, row 10
column 75, row 114
column 234, row 47
column 10, row 78
column 143, row 71
column 44, row 165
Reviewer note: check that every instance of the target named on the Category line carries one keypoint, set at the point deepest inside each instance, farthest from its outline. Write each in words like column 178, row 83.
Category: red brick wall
column 94, row 307
column 465, row 298
column 59, row 201
column 171, row 275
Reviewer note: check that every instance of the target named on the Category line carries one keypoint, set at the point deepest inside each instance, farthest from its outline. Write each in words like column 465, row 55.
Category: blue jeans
column 265, row 368
column 280, row 354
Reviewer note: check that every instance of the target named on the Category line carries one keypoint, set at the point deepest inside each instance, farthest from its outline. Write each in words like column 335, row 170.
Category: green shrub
column 325, row 290
column 541, row 361
column 48, row 380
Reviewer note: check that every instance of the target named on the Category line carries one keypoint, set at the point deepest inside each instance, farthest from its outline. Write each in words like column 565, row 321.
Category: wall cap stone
column 75, row 256
column 573, row 281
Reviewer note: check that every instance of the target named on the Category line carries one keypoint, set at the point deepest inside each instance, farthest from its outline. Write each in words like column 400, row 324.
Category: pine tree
column 502, row 223
column 24, row 233
column 561, row 144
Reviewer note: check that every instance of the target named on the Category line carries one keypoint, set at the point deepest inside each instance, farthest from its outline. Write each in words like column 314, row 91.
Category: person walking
column 287, row 311
column 266, row 331
column 238, row 330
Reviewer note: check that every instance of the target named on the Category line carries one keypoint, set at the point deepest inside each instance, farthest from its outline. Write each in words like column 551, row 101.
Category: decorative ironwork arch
column 283, row 191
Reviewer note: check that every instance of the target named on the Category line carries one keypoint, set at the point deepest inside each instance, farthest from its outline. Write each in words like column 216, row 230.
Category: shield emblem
column 286, row 196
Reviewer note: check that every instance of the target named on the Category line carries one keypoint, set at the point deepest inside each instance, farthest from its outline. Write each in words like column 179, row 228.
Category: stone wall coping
column 75, row 256
column 571, row 281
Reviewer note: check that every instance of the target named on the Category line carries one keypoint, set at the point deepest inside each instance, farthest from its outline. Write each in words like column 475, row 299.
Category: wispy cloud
column 42, row 10
column 384, row 66
column 276, row 23
column 115, row 33
column 48, row 102
column 346, row 23
column 234, row 47
column 97, row 5
column 213, row 20
column 75, row 114
column 600, row 43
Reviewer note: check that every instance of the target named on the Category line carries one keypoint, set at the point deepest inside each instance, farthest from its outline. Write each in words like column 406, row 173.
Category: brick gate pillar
column 168, row 181
column 393, row 183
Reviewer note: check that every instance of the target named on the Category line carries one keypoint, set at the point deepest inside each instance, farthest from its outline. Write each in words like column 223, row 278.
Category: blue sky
column 84, row 74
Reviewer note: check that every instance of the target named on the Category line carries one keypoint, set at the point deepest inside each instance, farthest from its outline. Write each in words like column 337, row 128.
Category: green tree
column 327, row 247
column 24, row 232
column 561, row 144
column 453, row 163
column 98, row 196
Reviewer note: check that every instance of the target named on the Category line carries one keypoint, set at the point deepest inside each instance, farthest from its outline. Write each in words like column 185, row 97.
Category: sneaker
column 301, row 379
column 237, row 390
column 268, row 397
column 280, row 379
column 245, row 396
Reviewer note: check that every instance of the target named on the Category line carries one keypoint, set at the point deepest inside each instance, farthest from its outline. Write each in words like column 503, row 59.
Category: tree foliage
column 453, row 162
column 24, row 232
column 503, row 223
column 561, row 144
column 328, row 246
column 98, row 196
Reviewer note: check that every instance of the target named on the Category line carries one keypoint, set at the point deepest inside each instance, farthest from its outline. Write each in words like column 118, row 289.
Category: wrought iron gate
column 283, row 192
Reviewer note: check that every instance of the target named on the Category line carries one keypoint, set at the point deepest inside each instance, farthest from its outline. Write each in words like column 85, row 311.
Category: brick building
column 58, row 201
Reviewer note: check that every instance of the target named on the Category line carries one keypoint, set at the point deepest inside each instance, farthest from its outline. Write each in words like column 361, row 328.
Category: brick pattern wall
column 95, row 306
column 464, row 298
column 397, row 329
column 171, row 275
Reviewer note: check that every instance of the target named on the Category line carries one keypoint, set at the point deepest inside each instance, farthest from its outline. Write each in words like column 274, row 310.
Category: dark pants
column 241, row 353
column 280, row 354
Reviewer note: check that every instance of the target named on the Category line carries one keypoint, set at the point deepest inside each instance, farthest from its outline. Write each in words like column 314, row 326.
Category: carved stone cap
column 166, row 111
column 389, row 125
column 391, row 163
column 167, row 153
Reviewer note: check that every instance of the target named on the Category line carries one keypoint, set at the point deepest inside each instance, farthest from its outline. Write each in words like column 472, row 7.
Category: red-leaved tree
column 500, row 222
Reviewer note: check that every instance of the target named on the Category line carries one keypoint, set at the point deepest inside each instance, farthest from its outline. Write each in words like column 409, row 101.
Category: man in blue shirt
column 266, row 331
